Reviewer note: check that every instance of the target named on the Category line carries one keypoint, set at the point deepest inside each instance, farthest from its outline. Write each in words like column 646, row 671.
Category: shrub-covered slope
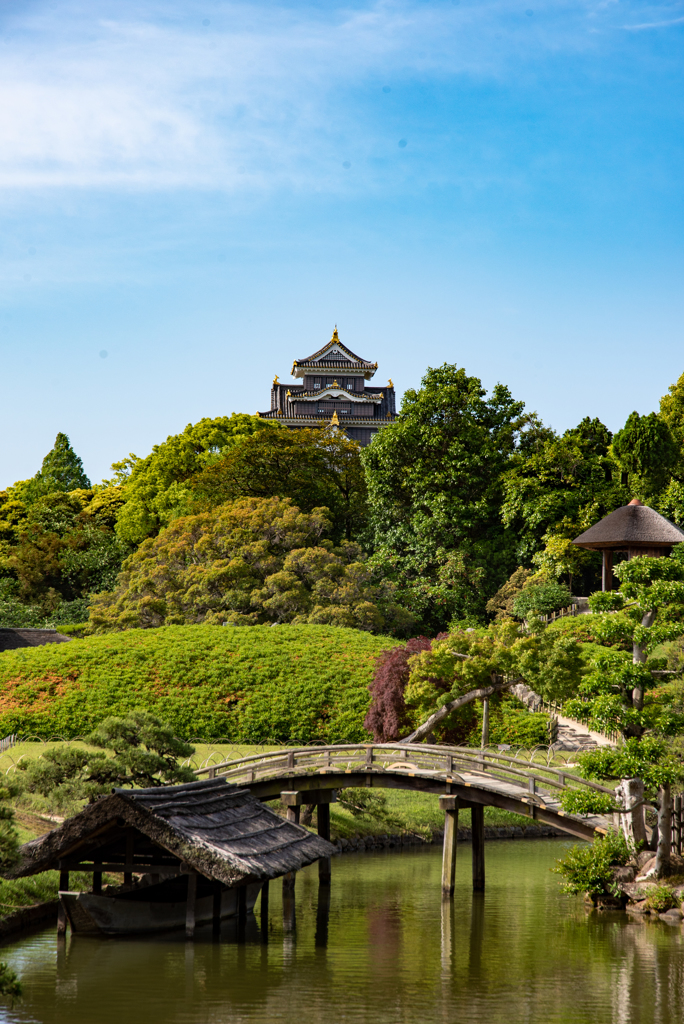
column 288, row 684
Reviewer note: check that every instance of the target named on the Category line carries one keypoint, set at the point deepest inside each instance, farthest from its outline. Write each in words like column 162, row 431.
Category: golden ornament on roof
column 335, row 421
column 275, row 379
column 335, row 384
column 390, row 383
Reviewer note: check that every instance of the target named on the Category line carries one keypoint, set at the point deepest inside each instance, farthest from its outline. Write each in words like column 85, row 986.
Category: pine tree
column 62, row 470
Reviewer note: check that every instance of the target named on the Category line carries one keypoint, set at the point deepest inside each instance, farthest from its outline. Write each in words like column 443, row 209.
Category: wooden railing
column 399, row 758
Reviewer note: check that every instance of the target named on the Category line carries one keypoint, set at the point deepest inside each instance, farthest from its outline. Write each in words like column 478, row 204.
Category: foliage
column 604, row 629
column 541, row 599
column 9, row 839
column 253, row 560
column 646, row 449
column 10, row 986
column 369, row 805
column 501, row 605
column 556, row 487
column 62, row 470
column 509, row 722
column 606, row 698
column 648, row 758
column 587, row 801
column 588, row 868
column 313, row 467
column 156, row 488
column 283, row 684
column 464, row 661
column 434, row 490
column 387, row 716
column 145, row 750
column 662, row 899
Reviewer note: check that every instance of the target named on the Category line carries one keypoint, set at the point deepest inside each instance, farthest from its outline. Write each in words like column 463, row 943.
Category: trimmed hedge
column 287, row 684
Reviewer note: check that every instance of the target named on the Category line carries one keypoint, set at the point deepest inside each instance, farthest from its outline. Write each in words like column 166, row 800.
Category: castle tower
column 334, row 391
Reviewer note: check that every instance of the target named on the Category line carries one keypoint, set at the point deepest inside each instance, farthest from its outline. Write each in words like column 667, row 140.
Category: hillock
column 285, row 684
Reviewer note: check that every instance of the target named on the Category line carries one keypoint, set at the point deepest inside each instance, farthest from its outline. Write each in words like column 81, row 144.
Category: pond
column 386, row 949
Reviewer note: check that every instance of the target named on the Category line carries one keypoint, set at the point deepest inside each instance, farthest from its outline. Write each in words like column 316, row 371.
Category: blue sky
column 203, row 190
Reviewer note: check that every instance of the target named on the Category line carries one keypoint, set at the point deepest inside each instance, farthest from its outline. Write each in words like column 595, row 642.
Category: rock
column 647, row 867
column 643, row 858
column 638, row 908
column 624, row 874
column 673, row 916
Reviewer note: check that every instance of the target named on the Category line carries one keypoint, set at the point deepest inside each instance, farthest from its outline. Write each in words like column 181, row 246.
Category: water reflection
column 379, row 945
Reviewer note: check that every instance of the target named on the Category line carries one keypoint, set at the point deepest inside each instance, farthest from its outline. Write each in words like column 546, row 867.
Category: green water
column 387, row 950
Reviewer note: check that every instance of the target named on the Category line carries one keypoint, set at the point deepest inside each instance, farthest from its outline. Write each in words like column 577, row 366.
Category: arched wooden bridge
column 462, row 777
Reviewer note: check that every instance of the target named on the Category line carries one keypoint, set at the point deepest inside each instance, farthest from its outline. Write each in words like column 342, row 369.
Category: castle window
column 317, row 384
column 351, row 384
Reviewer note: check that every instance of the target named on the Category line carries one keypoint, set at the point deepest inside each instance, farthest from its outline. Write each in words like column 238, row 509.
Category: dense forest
column 450, row 513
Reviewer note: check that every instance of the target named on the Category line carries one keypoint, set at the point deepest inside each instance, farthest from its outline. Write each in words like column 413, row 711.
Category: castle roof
column 336, row 356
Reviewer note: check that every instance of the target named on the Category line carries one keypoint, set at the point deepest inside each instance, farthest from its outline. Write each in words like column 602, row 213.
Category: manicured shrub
column 288, row 684
column 588, row 868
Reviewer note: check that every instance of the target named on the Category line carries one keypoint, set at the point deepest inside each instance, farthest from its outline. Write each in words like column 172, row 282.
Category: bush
column 587, row 801
column 288, row 684
column 588, row 868
column 541, row 600
column 661, row 899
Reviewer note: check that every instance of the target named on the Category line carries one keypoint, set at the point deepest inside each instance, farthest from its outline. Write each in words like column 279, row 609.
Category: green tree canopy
column 314, row 467
column 646, row 449
column 254, row 560
column 143, row 751
column 62, row 470
column 155, row 487
column 435, row 490
column 556, row 487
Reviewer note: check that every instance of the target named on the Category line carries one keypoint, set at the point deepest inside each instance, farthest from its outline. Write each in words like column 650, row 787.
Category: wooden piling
column 97, row 881
column 61, row 912
column 190, row 905
column 449, row 804
column 325, row 863
column 264, row 911
column 477, row 812
column 241, row 911
column 216, row 908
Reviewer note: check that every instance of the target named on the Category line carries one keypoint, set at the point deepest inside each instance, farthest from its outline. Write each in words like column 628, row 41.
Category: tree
column 314, row 467
column 468, row 665
column 143, row 751
column 435, row 491
column 250, row 561
column 155, row 487
column 646, row 449
column 672, row 411
column 614, row 693
column 62, row 470
column 555, row 487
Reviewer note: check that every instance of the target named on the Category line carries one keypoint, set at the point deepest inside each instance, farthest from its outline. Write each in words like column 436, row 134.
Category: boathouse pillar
column 190, row 905
column 325, row 863
column 61, row 912
column 449, row 804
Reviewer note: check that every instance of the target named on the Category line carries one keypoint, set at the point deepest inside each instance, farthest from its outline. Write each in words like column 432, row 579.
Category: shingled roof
column 211, row 827
column 11, row 639
column 633, row 526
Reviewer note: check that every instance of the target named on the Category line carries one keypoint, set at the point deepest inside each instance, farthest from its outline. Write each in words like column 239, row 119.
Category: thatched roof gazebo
column 191, row 853
column 635, row 529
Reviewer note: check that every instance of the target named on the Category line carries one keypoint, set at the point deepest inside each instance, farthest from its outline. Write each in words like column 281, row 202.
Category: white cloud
column 107, row 97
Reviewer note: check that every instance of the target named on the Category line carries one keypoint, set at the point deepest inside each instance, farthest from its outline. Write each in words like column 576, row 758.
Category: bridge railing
column 404, row 758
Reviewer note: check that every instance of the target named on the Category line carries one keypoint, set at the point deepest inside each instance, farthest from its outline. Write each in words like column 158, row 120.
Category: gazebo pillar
column 607, row 574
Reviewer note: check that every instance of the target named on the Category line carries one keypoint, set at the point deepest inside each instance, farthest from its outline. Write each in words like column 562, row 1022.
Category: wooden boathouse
column 188, row 854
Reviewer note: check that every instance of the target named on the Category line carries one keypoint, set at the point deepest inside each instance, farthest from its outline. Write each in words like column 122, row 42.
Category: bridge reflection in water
column 462, row 777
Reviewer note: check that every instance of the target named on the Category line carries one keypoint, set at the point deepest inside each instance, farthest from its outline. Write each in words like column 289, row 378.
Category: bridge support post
column 477, row 812
column 449, row 804
column 325, row 863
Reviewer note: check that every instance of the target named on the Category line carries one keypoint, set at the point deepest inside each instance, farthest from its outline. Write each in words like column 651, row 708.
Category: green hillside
column 287, row 684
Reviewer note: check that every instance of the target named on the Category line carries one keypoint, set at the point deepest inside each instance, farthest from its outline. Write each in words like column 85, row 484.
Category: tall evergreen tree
column 62, row 470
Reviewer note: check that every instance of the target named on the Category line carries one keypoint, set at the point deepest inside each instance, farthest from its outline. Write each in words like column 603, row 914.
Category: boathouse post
column 190, row 905
column 477, row 812
column 449, row 804
column 264, row 911
column 216, row 908
column 290, row 878
column 61, row 912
